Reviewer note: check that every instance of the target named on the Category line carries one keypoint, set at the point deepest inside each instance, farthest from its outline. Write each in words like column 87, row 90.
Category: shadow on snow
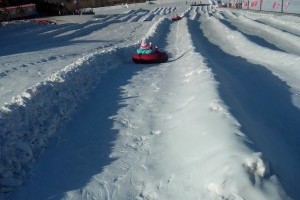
column 81, row 149
column 42, row 37
column 262, row 104
column 255, row 39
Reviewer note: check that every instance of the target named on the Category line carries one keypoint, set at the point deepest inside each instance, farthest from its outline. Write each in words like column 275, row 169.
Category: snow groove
column 283, row 40
column 284, row 61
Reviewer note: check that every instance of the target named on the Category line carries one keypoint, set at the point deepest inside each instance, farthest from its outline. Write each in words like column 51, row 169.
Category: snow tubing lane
column 150, row 58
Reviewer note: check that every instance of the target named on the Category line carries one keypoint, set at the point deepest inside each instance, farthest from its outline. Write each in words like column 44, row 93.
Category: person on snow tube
column 149, row 54
column 145, row 48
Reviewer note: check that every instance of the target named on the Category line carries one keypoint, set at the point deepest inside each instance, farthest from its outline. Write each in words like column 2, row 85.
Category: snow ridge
column 283, row 40
column 34, row 116
column 238, row 45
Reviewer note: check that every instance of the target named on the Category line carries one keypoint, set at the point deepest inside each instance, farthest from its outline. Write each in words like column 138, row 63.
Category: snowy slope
column 219, row 121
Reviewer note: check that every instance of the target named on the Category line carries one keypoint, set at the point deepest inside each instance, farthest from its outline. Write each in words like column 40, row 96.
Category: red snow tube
column 44, row 21
column 176, row 18
column 157, row 57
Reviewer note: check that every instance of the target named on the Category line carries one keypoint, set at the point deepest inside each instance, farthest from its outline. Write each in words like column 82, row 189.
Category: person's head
column 143, row 43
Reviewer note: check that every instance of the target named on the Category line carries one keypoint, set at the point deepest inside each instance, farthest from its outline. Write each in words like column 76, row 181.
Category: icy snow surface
column 220, row 120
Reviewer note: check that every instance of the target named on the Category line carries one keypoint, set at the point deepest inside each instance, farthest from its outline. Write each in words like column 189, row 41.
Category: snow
column 220, row 120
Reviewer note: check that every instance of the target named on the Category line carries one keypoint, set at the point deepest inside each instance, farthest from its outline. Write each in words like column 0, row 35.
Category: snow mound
column 34, row 116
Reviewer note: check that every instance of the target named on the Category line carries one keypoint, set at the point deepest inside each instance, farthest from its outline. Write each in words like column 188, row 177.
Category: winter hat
column 143, row 44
